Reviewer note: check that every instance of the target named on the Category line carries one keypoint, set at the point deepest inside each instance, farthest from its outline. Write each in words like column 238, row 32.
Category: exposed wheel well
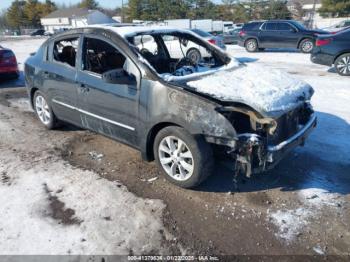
column 335, row 58
column 32, row 92
column 152, row 135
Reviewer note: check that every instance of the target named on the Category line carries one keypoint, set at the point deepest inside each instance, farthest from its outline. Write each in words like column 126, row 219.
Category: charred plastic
column 255, row 134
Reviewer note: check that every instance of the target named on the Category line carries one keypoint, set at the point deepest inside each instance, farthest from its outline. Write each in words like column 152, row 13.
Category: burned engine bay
column 260, row 141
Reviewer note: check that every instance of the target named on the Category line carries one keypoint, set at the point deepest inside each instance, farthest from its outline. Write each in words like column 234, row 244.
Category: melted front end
column 262, row 142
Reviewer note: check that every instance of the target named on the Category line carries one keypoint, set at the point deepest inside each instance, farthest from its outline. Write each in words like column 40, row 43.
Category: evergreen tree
column 335, row 8
column 276, row 10
column 33, row 12
column 48, row 7
column 90, row 4
column 16, row 16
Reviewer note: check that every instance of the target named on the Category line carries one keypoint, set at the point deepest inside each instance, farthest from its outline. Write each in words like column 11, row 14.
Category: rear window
column 252, row 26
column 271, row 26
column 6, row 54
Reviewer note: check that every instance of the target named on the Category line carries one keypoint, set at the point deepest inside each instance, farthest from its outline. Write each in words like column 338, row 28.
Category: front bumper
column 276, row 153
column 322, row 59
column 240, row 42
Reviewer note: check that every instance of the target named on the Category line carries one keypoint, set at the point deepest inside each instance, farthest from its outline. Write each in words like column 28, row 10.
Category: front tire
column 43, row 111
column 184, row 159
column 251, row 45
column 342, row 65
column 306, row 46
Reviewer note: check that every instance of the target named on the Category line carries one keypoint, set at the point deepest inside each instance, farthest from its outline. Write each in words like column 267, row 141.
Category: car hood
column 269, row 91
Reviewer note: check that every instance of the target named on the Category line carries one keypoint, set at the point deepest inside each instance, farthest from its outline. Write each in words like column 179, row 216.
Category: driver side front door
column 108, row 108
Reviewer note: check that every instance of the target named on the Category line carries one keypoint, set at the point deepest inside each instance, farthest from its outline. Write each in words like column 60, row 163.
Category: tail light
column 212, row 41
column 322, row 42
column 241, row 33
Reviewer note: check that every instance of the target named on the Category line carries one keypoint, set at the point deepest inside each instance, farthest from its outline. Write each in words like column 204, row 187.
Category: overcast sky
column 103, row 3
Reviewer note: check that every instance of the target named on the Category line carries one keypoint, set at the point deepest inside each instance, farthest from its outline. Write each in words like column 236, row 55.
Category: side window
column 271, row 27
column 64, row 51
column 284, row 27
column 100, row 57
column 146, row 43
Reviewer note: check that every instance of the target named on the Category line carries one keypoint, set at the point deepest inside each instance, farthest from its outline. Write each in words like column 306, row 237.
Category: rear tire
column 251, row 45
column 342, row 65
column 306, row 46
column 43, row 111
column 185, row 160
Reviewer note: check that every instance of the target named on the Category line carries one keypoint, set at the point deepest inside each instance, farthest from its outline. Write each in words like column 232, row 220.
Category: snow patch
column 290, row 222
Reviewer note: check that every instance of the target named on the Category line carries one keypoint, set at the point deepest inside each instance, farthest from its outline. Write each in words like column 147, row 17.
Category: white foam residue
column 271, row 90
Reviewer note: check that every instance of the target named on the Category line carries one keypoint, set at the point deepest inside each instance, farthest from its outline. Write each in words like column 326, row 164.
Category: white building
column 73, row 17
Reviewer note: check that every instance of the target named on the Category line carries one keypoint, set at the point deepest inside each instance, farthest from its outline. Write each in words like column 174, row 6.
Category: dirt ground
column 300, row 208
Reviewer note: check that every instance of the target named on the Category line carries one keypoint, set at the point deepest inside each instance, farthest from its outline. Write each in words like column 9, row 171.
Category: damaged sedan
column 181, row 110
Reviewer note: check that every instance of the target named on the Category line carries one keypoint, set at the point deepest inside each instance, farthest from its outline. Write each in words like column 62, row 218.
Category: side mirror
column 184, row 42
column 119, row 77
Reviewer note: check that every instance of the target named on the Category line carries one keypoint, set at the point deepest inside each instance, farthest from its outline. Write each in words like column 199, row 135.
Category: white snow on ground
column 267, row 91
column 330, row 141
column 107, row 219
column 290, row 222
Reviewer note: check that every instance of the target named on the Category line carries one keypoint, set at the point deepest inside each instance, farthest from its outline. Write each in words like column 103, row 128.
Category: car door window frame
column 265, row 27
column 51, row 46
column 108, row 41
column 293, row 26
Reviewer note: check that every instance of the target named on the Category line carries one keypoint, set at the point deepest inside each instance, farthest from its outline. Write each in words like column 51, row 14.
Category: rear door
column 59, row 77
column 288, row 35
column 108, row 108
column 269, row 35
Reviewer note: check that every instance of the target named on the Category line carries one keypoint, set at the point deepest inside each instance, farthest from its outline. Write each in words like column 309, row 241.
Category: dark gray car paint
column 146, row 107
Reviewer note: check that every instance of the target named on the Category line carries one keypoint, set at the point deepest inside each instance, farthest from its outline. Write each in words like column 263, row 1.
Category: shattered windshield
column 177, row 54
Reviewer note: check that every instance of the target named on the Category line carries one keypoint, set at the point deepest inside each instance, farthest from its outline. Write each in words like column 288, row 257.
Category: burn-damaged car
column 127, row 84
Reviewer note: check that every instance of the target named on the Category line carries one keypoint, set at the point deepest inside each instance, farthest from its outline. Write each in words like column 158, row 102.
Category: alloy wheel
column 251, row 45
column 176, row 158
column 343, row 65
column 42, row 109
column 307, row 46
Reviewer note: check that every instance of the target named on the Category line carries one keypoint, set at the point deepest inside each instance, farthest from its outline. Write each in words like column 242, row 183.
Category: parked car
column 339, row 26
column 8, row 64
column 259, row 35
column 172, row 110
column 215, row 40
column 231, row 37
column 333, row 50
column 38, row 32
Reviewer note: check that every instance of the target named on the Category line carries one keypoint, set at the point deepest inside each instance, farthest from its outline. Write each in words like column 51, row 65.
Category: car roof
column 128, row 31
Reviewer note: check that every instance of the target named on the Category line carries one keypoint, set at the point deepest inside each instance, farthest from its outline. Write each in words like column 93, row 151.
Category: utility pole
column 122, row 12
